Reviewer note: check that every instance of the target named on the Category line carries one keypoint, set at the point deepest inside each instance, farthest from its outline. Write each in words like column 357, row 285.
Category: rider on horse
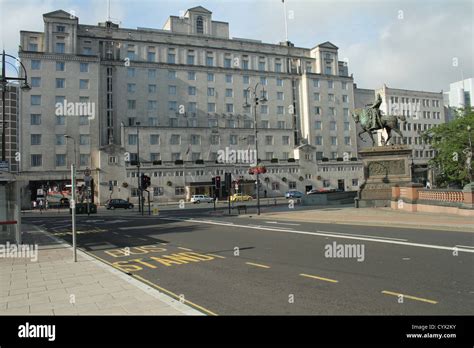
column 374, row 112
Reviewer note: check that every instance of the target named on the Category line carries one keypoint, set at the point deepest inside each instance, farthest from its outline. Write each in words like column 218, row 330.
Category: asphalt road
column 242, row 265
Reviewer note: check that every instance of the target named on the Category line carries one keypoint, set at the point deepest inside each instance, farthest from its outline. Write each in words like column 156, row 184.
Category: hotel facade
column 174, row 98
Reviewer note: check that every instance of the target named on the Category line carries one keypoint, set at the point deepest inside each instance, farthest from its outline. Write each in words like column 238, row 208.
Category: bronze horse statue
column 388, row 122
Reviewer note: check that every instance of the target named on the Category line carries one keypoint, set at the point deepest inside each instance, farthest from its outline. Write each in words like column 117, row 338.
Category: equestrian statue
column 371, row 120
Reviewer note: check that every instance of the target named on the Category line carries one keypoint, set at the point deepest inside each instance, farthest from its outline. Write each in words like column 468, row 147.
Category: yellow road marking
column 320, row 278
column 409, row 297
column 218, row 256
column 257, row 265
column 157, row 286
column 185, row 249
column 174, row 295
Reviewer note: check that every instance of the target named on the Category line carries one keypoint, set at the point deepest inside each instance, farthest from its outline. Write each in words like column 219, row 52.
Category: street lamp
column 255, row 100
column 72, row 203
column 469, row 161
column 3, row 85
column 138, row 168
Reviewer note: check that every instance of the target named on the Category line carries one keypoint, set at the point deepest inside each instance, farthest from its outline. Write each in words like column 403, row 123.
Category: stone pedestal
column 384, row 168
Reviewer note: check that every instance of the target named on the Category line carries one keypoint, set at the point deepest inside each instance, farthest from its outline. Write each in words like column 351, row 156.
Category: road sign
column 4, row 166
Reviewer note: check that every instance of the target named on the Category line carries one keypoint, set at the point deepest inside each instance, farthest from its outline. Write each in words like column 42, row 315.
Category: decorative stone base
column 384, row 167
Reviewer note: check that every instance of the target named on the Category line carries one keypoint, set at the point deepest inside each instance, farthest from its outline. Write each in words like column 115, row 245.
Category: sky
column 407, row 44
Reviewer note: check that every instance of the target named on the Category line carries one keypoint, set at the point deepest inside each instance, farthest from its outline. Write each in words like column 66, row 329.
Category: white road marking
column 331, row 234
column 140, row 227
column 281, row 223
column 465, row 246
column 364, row 235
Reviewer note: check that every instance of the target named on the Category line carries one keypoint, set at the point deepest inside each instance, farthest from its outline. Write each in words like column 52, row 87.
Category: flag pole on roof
column 286, row 20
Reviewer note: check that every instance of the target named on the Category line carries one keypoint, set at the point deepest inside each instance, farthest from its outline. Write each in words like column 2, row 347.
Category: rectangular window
column 60, row 47
column 130, row 72
column 277, row 67
column 211, row 107
column 60, row 140
column 332, row 126
column 228, row 78
column 175, row 139
column 192, row 107
column 35, row 100
column 60, row 83
column 316, row 83
column 233, row 139
column 154, row 139
column 33, row 47
column 173, row 106
column 83, row 84
column 347, row 140
column 179, row 191
column 227, row 63
column 261, row 66
column 229, row 93
column 210, row 77
column 171, row 75
column 246, row 79
column 333, row 140
column 83, row 120
column 35, row 139
column 84, row 67
column 195, row 139
column 132, row 104
column 155, row 156
column 229, row 107
column 84, row 160
column 60, row 66
column 60, row 120
column 171, row 58
column 245, row 64
column 280, row 110
column 36, row 82
column 131, row 87
column 158, row 191
column 264, row 109
column 279, row 82
column 152, row 105
column 330, row 84
column 215, row 139
column 318, row 140
column 151, row 56
column 191, row 75
column 265, row 124
column 209, row 61
column 285, row 140
column 191, row 90
column 190, row 59
column 132, row 139
column 60, row 160
column 36, row 160
column 172, row 90
column 35, row 64
column 151, row 88
column 35, row 119
column 317, row 97
column 280, row 95
column 84, row 139
column 263, row 80
column 317, row 125
column 152, row 74
column 210, row 92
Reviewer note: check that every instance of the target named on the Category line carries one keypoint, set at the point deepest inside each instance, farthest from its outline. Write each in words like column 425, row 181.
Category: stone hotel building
column 176, row 96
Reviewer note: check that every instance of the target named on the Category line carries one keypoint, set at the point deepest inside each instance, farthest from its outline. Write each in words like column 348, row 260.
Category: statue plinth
column 384, row 167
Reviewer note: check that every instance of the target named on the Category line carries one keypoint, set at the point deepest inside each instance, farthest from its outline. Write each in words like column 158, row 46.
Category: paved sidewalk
column 376, row 217
column 55, row 285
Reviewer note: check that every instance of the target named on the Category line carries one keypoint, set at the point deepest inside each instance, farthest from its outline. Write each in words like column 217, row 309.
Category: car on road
column 118, row 203
column 239, row 197
column 196, row 199
column 293, row 194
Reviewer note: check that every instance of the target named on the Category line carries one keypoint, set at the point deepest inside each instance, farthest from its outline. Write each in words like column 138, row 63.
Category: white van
column 196, row 199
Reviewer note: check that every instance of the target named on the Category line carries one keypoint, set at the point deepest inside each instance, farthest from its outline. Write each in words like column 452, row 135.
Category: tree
column 452, row 145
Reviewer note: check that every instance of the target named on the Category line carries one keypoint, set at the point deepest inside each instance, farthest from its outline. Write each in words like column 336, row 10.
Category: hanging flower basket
column 169, row 183
column 267, row 180
column 301, row 178
column 257, row 170
column 125, row 184
column 284, row 179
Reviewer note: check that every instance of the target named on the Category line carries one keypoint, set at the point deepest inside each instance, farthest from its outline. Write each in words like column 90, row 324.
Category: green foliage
column 451, row 142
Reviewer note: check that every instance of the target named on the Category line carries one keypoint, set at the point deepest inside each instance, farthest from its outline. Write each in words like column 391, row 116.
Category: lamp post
column 470, row 152
column 255, row 100
column 3, row 85
column 72, row 203
column 138, row 168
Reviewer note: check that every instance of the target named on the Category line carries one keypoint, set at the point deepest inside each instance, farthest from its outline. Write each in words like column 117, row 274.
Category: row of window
column 36, row 160
column 60, row 66
column 60, row 83
column 210, row 156
column 332, row 125
column 417, row 126
column 36, row 139
column 195, row 139
column 318, row 140
column 211, row 77
column 36, row 119
column 424, row 102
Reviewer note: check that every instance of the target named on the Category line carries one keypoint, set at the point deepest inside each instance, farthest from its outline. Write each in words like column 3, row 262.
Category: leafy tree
column 451, row 143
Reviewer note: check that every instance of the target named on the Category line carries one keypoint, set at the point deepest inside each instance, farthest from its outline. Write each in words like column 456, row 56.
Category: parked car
column 196, row 199
column 239, row 197
column 293, row 194
column 118, row 203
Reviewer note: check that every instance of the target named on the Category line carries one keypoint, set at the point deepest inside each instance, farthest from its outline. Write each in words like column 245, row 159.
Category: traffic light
column 145, row 181
column 213, row 182
column 218, row 182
